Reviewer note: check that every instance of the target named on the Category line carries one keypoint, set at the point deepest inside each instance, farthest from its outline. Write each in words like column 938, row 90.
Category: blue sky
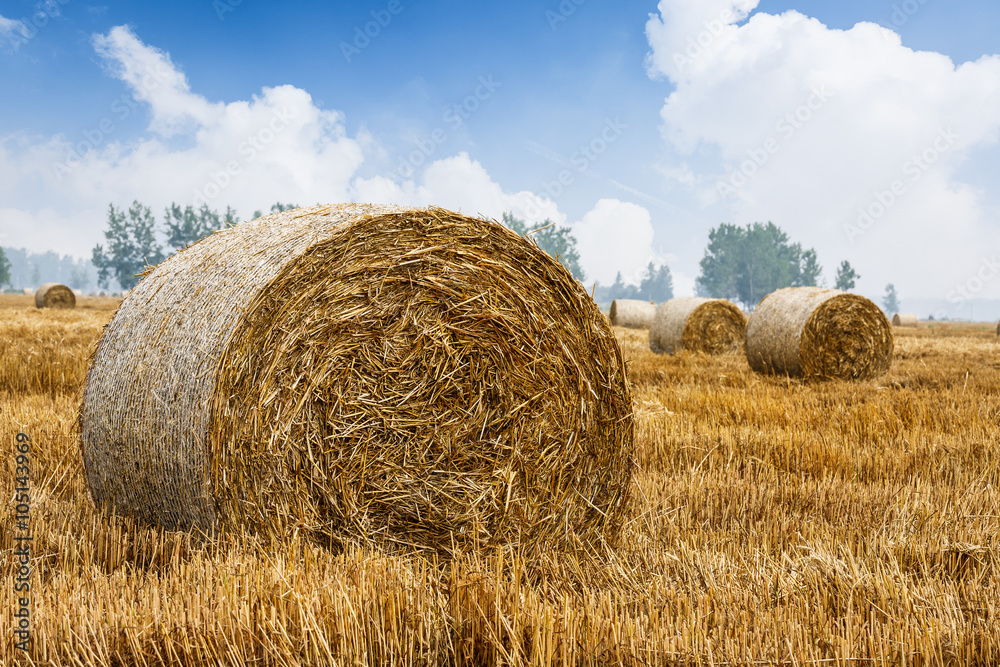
column 551, row 79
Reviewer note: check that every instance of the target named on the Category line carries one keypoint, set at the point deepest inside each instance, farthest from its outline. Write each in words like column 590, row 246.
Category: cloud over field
column 852, row 142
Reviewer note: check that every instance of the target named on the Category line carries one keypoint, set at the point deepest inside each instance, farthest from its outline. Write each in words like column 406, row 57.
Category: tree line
column 742, row 264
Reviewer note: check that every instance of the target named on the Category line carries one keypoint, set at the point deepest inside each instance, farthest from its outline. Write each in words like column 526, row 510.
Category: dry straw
column 713, row 326
column 631, row 313
column 54, row 295
column 814, row 332
column 904, row 320
column 355, row 372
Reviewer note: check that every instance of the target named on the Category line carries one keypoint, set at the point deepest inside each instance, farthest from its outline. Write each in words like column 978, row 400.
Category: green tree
column 276, row 207
column 747, row 263
column 4, row 269
column 846, row 275
column 890, row 302
column 557, row 241
column 131, row 246
column 657, row 285
column 36, row 276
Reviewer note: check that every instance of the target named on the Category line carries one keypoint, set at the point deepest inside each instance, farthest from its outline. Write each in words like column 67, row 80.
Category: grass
column 775, row 522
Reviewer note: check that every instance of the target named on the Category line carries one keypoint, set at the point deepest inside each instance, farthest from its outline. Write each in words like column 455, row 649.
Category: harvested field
column 774, row 521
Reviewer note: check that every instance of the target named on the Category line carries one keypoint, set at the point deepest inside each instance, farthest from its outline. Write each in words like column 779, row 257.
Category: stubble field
column 774, row 522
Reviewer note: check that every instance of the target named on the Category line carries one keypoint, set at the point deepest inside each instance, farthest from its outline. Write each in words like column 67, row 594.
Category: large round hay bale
column 355, row 372
column 815, row 332
column 631, row 313
column 713, row 326
column 54, row 295
column 905, row 320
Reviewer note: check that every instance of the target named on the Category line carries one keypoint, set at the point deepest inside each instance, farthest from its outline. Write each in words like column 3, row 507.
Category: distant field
column 775, row 521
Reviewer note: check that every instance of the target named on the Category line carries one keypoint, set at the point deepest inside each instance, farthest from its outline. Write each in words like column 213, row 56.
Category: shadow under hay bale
column 823, row 333
column 905, row 320
column 712, row 326
column 54, row 295
column 632, row 314
column 362, row 373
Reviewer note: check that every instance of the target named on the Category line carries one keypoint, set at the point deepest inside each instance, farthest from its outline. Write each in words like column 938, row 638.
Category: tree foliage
column 557, row 241
column 131, row 246
column 4, row 269
column 186, row 226
column 745, row 264
column 890, row 302
column 846, row 275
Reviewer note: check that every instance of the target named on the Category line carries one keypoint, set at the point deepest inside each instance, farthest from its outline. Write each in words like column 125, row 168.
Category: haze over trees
column 846, row 275
column 4, row 269
column 890, row 302
column 745, row 264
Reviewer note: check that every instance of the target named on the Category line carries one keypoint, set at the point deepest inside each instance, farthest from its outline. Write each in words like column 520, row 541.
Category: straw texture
column 814, row 332
column 54, row 295
column 712, row 326
column 354, row 372
column 631, row 313
column 905, row 320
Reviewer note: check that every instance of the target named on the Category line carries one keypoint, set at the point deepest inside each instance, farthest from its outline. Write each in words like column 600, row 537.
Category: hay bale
column 356, row 372
column 27, row 291
column 814, row 332
column 632, row 314
column 54, row 295
column 713, row 326
column 904, row 320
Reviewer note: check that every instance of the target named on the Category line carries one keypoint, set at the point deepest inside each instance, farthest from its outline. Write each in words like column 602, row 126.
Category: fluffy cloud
column 278, row 146
column 846, row 138
column 615, row 236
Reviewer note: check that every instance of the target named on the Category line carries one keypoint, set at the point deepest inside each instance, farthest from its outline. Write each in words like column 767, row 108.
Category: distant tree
column 186, row 226
column 131, row 246
column 746, row 264
column 557, row 241
column 846, row 275
column 4, row 269
column 230, row 218
column 79, row 277
column 278, row 207
column 36, row 276
column 890, row 302
column 657, row 285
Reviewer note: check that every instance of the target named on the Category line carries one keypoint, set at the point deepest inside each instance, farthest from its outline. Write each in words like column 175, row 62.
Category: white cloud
column 277, row 146
column 615, row 236
column 12, row 32
column 810, row 125
column 461, row 184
